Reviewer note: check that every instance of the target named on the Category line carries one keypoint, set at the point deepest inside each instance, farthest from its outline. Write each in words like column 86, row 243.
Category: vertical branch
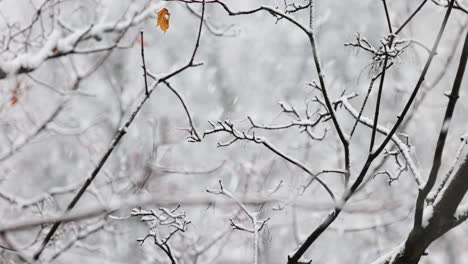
column 143, row 62
column 335, row 212
column 403, row 113
column 311, row 15
column 382, row 79
column 256, row 224
column 436, row 163
column 255, row 242
column 364, row 103
column 197, row 43
column 388, row 16
column 343, row 138
column 377, row 104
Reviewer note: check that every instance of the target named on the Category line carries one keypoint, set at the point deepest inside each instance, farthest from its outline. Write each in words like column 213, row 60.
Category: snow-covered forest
column 233, row 131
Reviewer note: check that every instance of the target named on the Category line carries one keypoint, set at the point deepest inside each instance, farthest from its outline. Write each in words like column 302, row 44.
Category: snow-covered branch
column 62, row 42
column 404, row 149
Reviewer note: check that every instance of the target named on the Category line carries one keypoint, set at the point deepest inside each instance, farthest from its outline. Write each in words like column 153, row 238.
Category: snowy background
column 250, row 64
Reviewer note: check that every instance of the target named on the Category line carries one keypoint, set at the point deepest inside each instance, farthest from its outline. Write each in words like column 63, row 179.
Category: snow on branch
column 228, row 127
column 121, row 132
column 163, row 225
column 257, row 225
column 59, row 43
column 404, row 149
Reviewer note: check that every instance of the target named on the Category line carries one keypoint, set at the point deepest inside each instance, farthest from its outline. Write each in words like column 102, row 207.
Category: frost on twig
column 121, row 133
column 432, row 196
column 403, row 148
column 163, row 224
column 390, row 46
column 228, row 127
column 256, row 224
column 64, row 40
column 305, row 123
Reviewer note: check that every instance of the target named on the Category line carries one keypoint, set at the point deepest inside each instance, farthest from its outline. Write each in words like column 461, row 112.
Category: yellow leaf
column 163, row 19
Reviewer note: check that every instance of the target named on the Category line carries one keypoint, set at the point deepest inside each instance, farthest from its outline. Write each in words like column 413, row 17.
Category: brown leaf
column 163, row 19
column 13, row 100
column 15, row 93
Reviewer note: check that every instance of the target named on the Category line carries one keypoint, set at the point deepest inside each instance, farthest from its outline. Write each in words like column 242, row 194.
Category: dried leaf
column 163, row 19
column 13, row 100
column 15, row 93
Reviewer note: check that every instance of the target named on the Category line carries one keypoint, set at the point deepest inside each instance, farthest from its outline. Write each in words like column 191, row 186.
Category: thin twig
column 257, row 225
column 228, row 127
column 387, row 15
column 437, row 161
column 143, row 62
column 382, row 79
column 335, row 212
column 411, row 17
column 194, row 136
column 118, row 136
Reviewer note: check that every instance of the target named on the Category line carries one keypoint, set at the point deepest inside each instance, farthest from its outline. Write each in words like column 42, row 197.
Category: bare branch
column 119, row 135
column 422, row 195
column 57, row 46
column 194, row 136
column 228, row 127
column 257, row 225
column 405, row 151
